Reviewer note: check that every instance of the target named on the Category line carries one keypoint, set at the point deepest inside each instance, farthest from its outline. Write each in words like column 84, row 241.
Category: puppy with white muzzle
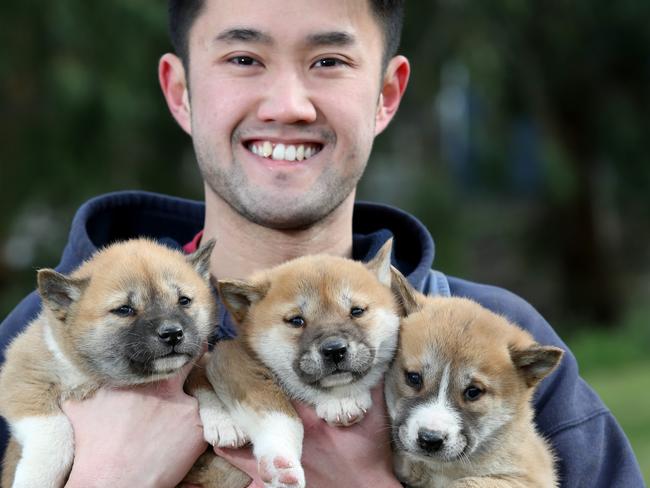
column 459, row 397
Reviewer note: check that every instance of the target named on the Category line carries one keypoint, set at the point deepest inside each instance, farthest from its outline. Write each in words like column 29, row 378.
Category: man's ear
column 394, row 84
column 59, row 292
column 380, row 264
column 200, row 259
column 238, row 296
column 536, row 362
column 173, row 82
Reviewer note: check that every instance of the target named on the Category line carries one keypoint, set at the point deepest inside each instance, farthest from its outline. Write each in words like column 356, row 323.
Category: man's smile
column 278, row 151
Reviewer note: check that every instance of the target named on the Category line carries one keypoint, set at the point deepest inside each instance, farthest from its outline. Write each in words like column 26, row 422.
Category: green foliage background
column 521, row 144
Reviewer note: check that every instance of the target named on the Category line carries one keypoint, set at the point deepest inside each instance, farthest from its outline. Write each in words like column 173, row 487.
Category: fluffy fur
column 459, row 397
column 134, row 313
column 319, row 329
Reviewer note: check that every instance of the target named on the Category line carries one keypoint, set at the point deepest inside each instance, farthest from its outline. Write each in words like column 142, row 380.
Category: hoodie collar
column 176, row 221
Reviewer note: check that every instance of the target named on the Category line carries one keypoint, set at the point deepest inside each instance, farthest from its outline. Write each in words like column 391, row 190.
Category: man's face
column 284, row 97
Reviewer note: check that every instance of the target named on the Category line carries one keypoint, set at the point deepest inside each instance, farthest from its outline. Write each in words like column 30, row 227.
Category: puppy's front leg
column 277, row 445
column 345, row 410
column 47, row 451
column 262, row 411
column 219, row 428
column 412, row 473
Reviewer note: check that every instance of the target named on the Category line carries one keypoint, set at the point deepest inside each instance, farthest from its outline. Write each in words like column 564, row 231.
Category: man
column 283, row 99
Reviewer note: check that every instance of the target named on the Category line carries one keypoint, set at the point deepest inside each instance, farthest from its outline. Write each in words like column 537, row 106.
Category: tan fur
column 34, row 380
column 462, row 333
column 9, row 463
column 280, row 287
column 211, row 471
column 250, row 382
column 255, row 373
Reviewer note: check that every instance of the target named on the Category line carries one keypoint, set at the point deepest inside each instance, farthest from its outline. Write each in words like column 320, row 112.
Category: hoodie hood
column 176, row 221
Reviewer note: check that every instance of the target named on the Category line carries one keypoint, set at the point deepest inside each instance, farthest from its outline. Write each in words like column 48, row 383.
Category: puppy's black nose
column 430, row 440
column 170, row 334
column 334, row 349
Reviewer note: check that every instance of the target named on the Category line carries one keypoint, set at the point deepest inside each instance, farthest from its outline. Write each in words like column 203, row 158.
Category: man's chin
column 296, row 214
column 296, row 207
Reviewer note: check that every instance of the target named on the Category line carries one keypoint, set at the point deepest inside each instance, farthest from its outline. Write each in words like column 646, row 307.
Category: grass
column 616, row 364
column 626, row 391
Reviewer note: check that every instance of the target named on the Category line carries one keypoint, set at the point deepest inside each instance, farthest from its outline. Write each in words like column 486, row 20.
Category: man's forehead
column 313, row 22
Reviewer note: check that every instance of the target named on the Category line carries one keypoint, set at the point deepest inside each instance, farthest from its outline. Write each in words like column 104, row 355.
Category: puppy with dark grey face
column 135, row 313
column 459, row 397
column 324, row 329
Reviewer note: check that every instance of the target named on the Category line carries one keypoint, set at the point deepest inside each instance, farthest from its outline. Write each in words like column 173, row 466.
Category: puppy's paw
column 344, row 411
column 220, row 430
column 281, row 472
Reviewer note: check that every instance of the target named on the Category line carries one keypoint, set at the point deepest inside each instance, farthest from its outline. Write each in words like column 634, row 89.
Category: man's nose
column 287, row 101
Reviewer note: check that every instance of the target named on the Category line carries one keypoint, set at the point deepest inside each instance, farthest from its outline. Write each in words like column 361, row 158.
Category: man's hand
column 146, row 436
column 358, row 455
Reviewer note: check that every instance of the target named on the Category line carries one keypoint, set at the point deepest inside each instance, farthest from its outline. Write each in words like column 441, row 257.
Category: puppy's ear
column 59, row 292
column 200, row 259
column 380, row 264
column 405, row 294
column 536, row 362
column 239, row 295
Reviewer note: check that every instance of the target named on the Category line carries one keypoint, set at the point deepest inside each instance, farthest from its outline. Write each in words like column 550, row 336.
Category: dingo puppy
column 459, row 397
column 324, row 329
column 134, row 313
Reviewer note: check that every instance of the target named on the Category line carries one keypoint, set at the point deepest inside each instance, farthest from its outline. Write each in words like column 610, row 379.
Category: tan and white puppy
column 459, row 397
column 325, row 329
column 134, row 313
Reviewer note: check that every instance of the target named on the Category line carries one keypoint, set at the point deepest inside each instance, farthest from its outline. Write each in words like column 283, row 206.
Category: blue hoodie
column 591, row 448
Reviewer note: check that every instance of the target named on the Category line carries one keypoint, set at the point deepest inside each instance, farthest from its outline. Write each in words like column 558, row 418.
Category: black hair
column 183, row 13
column 181, row 17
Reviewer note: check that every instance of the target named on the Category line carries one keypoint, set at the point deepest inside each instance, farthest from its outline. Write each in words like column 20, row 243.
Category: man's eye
column 329, row 63
column 243, row 61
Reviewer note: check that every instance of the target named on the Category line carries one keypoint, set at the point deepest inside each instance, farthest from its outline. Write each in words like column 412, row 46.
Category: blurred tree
column 81, row 114
column 520, row 142
column 579, row 71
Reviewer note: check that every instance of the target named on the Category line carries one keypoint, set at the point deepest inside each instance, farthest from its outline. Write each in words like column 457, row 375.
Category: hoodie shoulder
column 567, row 411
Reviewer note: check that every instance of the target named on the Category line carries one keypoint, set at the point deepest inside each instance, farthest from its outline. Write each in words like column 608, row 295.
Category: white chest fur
column 70, row 375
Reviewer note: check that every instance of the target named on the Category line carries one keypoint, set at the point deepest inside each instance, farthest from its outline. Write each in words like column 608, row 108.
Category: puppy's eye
column 473, row 393
column 413, row 379
column 357, row 312
column 296, row 321
column 184, row 301
column 124, row 311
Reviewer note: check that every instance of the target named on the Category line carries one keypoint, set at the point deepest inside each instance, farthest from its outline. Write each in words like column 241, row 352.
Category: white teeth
column 290, row 153
column 267, row 149
column 282, row 152
column 300, row 153
column 278, row 152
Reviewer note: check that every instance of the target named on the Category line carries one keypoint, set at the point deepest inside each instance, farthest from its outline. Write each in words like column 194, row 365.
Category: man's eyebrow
column 332, row 38
column 240, row 34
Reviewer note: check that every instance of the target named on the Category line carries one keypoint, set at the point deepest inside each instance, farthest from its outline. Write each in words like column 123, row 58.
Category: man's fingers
column 179, row 379
column 242, row 458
